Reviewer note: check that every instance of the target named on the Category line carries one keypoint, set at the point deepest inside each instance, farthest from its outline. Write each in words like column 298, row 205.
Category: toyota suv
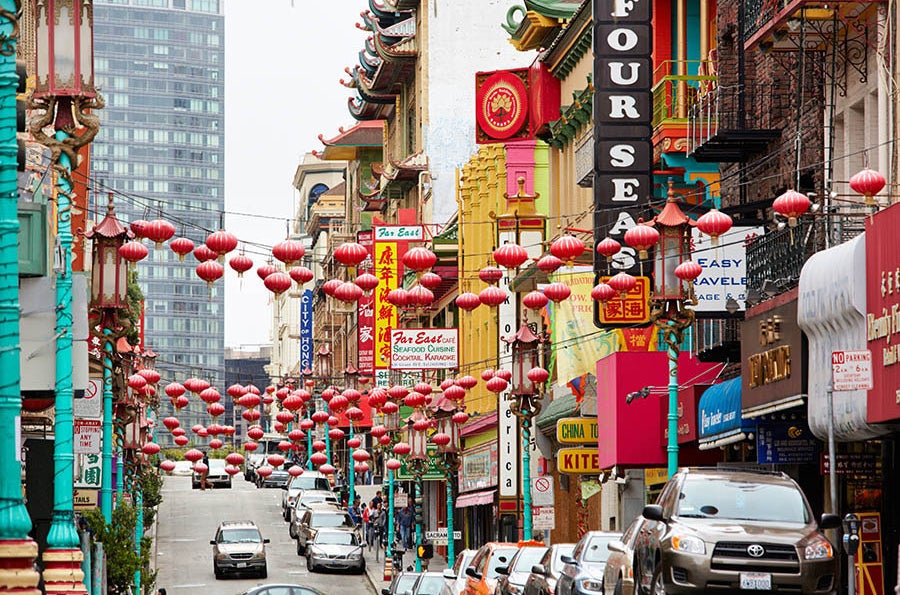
column 730, row 530
column 239, row 547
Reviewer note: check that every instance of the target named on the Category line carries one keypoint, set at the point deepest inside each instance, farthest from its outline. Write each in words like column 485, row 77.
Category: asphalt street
column 187, row 522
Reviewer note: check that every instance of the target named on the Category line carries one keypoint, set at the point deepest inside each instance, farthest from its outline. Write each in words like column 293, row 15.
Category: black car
column 583, row 570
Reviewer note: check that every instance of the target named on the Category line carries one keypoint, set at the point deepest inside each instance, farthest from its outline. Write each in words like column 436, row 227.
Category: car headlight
column 513, row 588
column 221, row 556
column 688, row 544
column 819, row 548
column 589, row 584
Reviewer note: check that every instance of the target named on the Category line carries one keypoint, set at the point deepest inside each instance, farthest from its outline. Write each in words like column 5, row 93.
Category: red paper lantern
column 210, row 271
column 384, row 440
column 467, row 301
column 549, row 263
column 307, row 424
column 193, row 455
column 714, row 223
column 336, row 433
column 221, row 242
column 423, row 387
column 504, row 374
column 240, row 264
column 137, row 382
column 289, row 251
column 330, row 286
column 275, row 460
column 255, row 432
column 791, row 204
column 688, row 270
column 602, row 293
column 295, row 471
column 181, row 402
column 216, row 444
column 215, row 409
column 490, row 274
column 338, row 403
column 419, row 259
column 360, row 455
column 608, row 248
column 354, row 442
column 622, row 283
column 430, row 281
column 402, row 449
column 441, row 439
column 393, row 464
column 348, row 292
column 250, row 446
column 510, row 255
column 296, row 435
column 868, row 182
column 284, row 417
column 236, row 391
column 167, row 466
column 171, row 423
column 232, row 470
column 467, row 382
column 496, row 385
column 414, row 399
column 159, row 231
column 492, row 296
column 137, row 228
column 642, row 237
column 202, row 253
column 419, row 296
column 181, row 247
column 301, row 275
column 367, row 282
column 265, row 270
column 326, row 469
column 350, row 254
column 488, row 374
column 234, row 458
column 557, row 292
column 319, row 445
column 174, row 390
column 277, row 283
column 133, row 251
column 398, row 297
column 210, row 395
column 150, row 375
column 264, row 471
column 567, row 248
column 355, row 414
column 150, row 449
column 534, row 300
column 181, row 440
column 455, row 393
column 460, row 417
column 390, row 407
column 538, row 375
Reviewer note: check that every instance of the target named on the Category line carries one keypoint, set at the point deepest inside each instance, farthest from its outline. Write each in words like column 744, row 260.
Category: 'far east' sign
column 578, row 461
column 577, row 430
column 424, row 348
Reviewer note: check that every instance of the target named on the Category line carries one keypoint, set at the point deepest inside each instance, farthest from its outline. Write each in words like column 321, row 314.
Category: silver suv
column 239, row 547
column 733, row 530
column 321, row 517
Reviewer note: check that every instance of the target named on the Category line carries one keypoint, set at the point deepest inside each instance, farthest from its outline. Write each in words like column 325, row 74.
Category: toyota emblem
column 756, row 551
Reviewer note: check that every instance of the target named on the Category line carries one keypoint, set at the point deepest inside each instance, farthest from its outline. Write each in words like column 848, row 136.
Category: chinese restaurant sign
column 425, row 349
column 501, row 105
column 883, row 313
column 387, row 269
column 634, row 309
column 365, row 331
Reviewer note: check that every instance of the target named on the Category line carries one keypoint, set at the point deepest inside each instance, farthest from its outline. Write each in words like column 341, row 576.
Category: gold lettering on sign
column 770, row 366
column 770, row 331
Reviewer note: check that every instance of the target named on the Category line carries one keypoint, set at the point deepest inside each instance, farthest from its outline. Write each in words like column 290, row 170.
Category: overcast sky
column 282, row 67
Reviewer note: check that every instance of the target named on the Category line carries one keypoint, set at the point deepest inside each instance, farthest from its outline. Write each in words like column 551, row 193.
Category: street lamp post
column 351, row 374
column 109, row 287
column 417, row 463
column 323, row 369
column 64, row 90
column 17, row 549
column 446, row 437
column 525, row 403
column 672, row 301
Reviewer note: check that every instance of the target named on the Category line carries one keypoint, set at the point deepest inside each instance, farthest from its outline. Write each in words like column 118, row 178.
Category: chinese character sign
column 365, row 331
column 633, row 309
column 387, row 269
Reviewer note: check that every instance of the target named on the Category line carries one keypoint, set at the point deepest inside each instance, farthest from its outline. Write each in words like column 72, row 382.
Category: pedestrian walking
column 204, row 482
column 405, row 520
column 161, row 591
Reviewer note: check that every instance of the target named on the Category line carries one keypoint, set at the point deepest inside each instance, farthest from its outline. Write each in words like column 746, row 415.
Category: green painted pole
column 672, row 416
column 451, row 550
column 418, row 512
column 17, row 550
column 391, row 508
column 138, row 534
column 526, row 477
column 63, row 534
column 106, row 488
column 351, row 472
column 327, row 444
column 120, row 475
column 309, row 451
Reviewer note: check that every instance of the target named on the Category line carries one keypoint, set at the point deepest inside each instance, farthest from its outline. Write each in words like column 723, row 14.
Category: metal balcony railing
column 717, row 333
column 774, row 260
column 679, row 85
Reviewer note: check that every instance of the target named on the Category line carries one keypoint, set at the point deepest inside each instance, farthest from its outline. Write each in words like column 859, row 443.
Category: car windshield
column 310, row 498
column 239, row 536
column 563, row 550
column 324, row 519
column 597, row 550
column 462, row 562
column 499, row 559
column 724, row 498
column 335, row 538
column 310, row 483
column 216, row 466
column 405, row 583
column 429, row 585
column 527, row 558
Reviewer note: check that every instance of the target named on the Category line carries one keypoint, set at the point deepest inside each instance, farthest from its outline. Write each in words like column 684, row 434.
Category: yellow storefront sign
column 86, row 498
column 576, row 430
column 578, row 461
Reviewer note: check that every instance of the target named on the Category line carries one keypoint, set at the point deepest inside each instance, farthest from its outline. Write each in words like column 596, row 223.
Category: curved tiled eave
column 408, row 49
column 573, row 119
column 365, row 110
column 398, row 5
column 369, row 62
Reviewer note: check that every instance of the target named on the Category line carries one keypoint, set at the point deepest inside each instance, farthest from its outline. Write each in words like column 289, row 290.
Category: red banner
column 365, row 328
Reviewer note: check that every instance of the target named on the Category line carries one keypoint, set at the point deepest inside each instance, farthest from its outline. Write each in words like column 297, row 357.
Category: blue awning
column 719, row 415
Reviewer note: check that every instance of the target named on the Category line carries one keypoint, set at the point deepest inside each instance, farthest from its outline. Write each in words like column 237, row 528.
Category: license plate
column 244, row 565
column 756, row 581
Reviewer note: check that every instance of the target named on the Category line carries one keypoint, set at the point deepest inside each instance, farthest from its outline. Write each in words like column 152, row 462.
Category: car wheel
column 292, row 532
column 286, row 516
column 217, row 572
column 658, row 586
column 300, row 552
column 309, row 565
column 264, row 573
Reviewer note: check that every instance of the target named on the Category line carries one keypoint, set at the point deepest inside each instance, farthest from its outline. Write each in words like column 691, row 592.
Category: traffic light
column 21, row 95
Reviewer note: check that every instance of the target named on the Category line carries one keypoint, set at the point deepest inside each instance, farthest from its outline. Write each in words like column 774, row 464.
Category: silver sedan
column 335, row 549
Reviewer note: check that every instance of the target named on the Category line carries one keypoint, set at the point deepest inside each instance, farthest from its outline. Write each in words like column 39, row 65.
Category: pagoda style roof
column 574, row 118
column 407, row 169
column 110, row 226
column 402, row 4
column 571, row 44
column 362, row 110
column 343, row 147
column 537, row 24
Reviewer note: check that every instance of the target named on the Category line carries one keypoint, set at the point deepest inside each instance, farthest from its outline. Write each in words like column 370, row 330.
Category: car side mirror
column 471, row 572
column 385, row 592
column 448, row 574
column 538, row 569
column 266, row 540
column 829, row 521
column 212, row 542
column 284, row 488
column 502, row 570
column 616, row 546
column 654, row 512
column 567, row 559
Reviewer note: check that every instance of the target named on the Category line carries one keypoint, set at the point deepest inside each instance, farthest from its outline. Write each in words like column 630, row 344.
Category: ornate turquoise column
column 106, row 488
column 138, row 531
column 351, row 472
column 17, row 549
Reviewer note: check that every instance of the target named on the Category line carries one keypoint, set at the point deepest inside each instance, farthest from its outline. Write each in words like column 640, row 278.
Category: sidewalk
column 375, row 571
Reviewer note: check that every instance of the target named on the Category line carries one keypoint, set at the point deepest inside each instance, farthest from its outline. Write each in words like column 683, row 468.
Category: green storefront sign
column 432, row 473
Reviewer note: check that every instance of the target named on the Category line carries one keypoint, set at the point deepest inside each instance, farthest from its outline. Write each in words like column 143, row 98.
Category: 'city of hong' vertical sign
column 623, row 115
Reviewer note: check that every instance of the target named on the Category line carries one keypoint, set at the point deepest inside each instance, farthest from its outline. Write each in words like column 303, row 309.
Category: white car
column 183, row 468
column 455, row 577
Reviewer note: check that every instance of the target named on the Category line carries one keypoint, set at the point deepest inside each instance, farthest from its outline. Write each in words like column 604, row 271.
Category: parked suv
column 714, row 529
column 239, row 547
column 321, row 517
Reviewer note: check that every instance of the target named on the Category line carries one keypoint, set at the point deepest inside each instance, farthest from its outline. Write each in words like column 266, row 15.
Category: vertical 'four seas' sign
column 623, row 150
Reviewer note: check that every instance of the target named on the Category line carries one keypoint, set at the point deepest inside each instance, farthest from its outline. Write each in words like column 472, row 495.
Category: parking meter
column 850, row 543
column 850, row 525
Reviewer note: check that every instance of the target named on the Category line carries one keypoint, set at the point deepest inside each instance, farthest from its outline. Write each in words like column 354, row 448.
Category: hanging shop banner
column 578, row 461
column 89, row 473
column 883, row 313
column 306, row 330
column 634, row 308
column 724, row 273
column 365, row 315
column 394, row 233
column 425, row 349
column 501, row 105
column 576, row 430
column 387, row 269
column 786, row 444
column 623, row 150
column 432, row 472
column 478, row 468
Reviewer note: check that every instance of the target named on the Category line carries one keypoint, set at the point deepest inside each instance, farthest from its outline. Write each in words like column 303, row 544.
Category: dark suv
column 238, row 548
column 731, row 530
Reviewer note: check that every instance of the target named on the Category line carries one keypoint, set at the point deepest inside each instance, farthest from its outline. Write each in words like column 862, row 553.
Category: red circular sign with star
column 502, row 105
